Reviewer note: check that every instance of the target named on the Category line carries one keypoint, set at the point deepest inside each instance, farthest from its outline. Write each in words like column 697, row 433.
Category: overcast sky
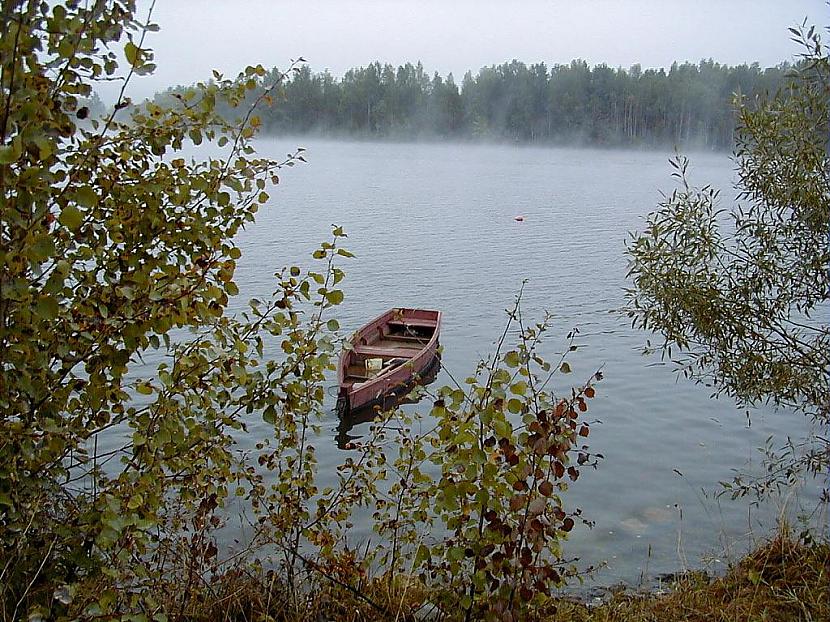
column 456, row 35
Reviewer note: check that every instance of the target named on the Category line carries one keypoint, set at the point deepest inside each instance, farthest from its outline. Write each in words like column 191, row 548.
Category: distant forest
column 688, row 105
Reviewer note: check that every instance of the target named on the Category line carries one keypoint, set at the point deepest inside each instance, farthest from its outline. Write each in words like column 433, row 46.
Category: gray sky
column 456, row 35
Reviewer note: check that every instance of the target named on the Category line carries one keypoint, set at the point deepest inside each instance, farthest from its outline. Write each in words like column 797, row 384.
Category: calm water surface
column 433, row 226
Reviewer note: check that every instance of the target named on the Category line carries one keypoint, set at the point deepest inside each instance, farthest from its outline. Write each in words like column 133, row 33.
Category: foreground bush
column 115, row 246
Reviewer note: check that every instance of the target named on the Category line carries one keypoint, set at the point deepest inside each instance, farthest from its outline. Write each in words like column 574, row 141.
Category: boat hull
column 405, row 341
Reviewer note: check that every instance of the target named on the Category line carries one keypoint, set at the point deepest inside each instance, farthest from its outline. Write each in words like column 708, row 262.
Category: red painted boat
column 384, row 357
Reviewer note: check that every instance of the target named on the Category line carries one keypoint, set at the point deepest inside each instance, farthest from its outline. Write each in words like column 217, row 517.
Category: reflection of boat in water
column 394, row 399
column 383, row 357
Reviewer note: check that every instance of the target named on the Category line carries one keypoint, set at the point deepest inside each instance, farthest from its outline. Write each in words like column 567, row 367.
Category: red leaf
column 516, row 502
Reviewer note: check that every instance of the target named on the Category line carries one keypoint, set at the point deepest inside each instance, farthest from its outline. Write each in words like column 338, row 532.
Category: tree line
column 690, row 104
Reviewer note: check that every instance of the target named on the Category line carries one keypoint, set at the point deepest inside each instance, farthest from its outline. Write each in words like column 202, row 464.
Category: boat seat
column 357, row 371
column 406, row 339
column 387, row 350
column 421, row 323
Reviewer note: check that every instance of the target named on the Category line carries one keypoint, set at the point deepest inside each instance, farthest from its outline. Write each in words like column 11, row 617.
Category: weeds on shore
column 782, row 580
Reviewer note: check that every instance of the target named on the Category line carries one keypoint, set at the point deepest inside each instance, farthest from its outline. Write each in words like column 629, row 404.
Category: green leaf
column 145, row 388
column 145, row 68
column 511, row 359
column 502, row 427
column 421, row 555
column 71, row 217
column 12, row 153
column 334, row 296
column 332, row 325
column 47, row 307
column 7, row 155
column 86, row 197
column 519, row 388
column 46, row 147
column 455, row 553
column 131, row 51
column 565, row 368
column 42, row 248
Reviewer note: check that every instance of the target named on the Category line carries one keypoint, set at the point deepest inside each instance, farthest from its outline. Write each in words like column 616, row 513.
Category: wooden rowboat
column 384, row 356
column 349, row 421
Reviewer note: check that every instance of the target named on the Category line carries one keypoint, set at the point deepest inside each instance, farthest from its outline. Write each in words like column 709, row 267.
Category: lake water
column 433, row 226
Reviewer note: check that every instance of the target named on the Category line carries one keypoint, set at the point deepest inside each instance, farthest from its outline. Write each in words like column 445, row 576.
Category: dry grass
column 782, row 580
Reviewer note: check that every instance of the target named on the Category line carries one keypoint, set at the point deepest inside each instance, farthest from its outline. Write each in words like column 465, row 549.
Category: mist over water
column 461, row 35
column 433, row 225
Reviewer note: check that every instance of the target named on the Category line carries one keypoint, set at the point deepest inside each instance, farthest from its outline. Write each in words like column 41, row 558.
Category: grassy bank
column 782, row 580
